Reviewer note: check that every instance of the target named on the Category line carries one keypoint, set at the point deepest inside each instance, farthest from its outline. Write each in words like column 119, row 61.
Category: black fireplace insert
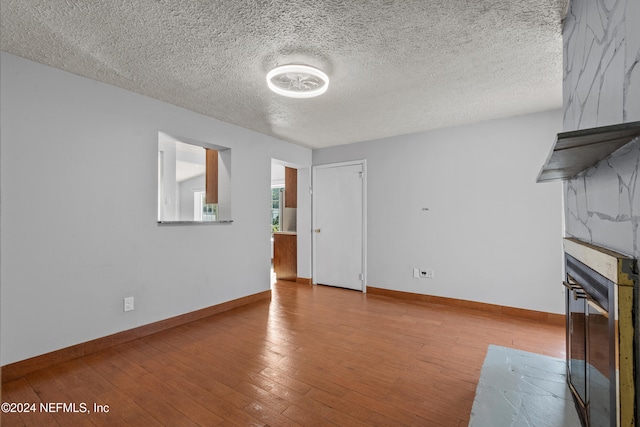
column 600, row 347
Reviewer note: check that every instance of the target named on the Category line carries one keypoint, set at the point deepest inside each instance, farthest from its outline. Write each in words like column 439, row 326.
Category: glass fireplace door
column 599, row 367
column 577, row 341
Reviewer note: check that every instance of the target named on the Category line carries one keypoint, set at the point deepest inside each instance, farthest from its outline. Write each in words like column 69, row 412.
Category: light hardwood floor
column 314, row 355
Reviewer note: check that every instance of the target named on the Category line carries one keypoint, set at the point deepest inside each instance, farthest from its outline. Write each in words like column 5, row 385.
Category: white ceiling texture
column 395, row 66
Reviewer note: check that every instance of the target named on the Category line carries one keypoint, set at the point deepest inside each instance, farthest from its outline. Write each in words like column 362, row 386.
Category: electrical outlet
column 416, row 273
column 427, row 274
column 128, row 304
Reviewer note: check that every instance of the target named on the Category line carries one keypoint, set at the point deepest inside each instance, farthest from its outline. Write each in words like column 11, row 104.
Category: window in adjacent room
column 276, row 208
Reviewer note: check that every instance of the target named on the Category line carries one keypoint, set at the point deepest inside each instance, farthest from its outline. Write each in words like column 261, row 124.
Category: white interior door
column 339, row 221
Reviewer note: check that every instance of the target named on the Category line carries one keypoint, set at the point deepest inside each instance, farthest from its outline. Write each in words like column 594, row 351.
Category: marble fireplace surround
column 601, row 172
column 601, row 87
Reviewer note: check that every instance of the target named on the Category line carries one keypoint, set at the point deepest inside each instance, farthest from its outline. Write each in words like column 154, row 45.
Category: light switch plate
column 128, row 304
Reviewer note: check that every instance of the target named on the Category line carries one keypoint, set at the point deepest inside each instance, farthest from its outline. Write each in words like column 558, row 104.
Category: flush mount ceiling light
column 297, row 81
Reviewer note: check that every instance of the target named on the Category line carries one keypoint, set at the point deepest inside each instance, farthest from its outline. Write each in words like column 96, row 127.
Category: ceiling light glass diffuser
column 297, row 81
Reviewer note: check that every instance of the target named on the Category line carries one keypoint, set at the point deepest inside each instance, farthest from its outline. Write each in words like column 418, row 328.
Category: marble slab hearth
column 522, row 389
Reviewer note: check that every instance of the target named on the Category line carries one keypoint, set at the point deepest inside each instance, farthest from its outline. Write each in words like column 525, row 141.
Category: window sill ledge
column 223, row 221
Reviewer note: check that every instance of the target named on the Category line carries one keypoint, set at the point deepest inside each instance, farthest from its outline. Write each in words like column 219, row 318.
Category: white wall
column 303, row 225
column 490, row 233
column 169, row 205
column 185, row 194
column 79, row 212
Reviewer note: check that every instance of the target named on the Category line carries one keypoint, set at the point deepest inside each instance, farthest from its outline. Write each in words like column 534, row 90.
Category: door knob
column 317, row 230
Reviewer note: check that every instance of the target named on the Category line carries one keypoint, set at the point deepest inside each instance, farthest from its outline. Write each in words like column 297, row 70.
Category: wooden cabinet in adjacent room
column 285, row 256
column 290, row 187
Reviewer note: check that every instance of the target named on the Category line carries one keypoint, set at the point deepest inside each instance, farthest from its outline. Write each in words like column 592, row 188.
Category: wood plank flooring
column 313, row 356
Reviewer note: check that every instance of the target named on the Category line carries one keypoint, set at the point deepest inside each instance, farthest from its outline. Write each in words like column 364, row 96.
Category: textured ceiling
column 396, row 67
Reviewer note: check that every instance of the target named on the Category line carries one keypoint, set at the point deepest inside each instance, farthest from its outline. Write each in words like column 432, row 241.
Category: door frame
column 362, row 162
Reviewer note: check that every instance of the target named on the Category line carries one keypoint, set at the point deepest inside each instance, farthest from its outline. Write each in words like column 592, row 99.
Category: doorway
column 283, row 222
column 339, row 225
column 277, row 190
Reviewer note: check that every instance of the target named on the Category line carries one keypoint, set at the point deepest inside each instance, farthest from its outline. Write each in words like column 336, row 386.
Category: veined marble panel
column 603, row 203
column 632, row 62
column 601, row 57
column 602, row 87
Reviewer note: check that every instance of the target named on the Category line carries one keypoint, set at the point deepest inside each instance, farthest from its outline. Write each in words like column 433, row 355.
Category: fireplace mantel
column 576, row 151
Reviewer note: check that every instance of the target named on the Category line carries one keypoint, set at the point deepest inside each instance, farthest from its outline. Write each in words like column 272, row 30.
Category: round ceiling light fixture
column 297, row 81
